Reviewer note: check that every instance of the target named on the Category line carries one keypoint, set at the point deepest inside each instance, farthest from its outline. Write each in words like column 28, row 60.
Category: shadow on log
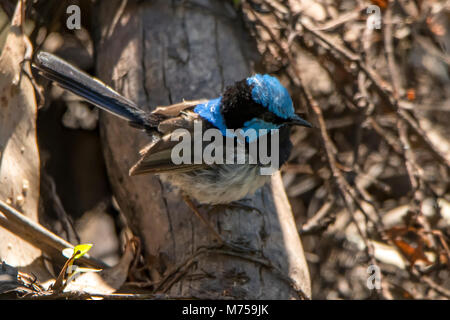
column 158, row 53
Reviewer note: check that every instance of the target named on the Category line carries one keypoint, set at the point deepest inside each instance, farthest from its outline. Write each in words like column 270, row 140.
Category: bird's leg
column 224, row 243
column 235, row 205
column 193, row 207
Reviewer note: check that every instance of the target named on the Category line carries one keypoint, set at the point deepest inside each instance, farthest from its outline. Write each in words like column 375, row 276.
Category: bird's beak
column 296, row 120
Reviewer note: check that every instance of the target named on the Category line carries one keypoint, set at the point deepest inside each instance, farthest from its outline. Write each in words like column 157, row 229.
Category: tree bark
column 158, row 53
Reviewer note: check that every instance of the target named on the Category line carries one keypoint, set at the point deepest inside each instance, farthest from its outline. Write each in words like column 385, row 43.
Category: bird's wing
column 157, row 156
column 175, row 109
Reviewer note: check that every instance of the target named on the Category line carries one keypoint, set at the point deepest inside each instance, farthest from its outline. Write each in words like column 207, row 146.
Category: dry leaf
column 19, row 156
column 381, row 3
column 411, row 242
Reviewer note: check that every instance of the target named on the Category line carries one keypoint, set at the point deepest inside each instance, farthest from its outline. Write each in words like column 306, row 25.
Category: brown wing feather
column 175, row 109
column 156, row 157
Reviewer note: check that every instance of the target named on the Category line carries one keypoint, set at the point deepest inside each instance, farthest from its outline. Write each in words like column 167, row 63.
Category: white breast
column 219, row 184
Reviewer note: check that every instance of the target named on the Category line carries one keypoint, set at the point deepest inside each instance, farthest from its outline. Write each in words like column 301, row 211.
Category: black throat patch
column 238, row 106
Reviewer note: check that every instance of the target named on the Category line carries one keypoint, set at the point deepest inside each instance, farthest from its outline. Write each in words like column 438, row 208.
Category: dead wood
column 158, row 53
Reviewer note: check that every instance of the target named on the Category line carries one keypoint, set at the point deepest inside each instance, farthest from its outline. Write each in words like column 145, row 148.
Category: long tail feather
column 91, row 89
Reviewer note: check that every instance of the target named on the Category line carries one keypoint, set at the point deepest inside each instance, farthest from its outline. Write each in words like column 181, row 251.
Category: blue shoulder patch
column 269, row 92
column 210, row 111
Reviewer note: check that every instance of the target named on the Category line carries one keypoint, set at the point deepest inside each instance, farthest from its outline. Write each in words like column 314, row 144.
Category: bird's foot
column 222, row 242
column 194, row 209
column 239, row 205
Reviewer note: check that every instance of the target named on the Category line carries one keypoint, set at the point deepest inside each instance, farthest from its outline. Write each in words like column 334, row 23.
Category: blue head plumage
column 245, row 105
column 270, row 93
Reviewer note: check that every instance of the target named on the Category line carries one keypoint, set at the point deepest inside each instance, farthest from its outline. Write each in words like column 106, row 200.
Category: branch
column 37, row 235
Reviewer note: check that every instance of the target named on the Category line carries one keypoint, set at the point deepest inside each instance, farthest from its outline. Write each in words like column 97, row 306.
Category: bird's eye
column 272, row 118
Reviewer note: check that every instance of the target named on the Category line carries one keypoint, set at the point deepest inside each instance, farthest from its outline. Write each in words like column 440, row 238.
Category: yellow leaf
column 81, row 249
column 77, row 252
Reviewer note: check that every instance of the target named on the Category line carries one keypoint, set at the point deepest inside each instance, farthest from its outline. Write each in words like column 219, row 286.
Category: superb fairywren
column 259, row 104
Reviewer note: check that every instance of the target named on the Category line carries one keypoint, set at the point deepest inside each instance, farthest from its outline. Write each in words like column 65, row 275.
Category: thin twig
column 38, row 235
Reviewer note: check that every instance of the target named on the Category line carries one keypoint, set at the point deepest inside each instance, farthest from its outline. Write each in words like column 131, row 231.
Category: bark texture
column 158, row 53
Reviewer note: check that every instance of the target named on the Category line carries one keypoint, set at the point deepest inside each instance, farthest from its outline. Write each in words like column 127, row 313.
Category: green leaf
column 71, row 254
column 77, row 252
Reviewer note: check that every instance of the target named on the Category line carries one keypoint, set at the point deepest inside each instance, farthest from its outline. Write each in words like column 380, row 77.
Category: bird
column 259, row 102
